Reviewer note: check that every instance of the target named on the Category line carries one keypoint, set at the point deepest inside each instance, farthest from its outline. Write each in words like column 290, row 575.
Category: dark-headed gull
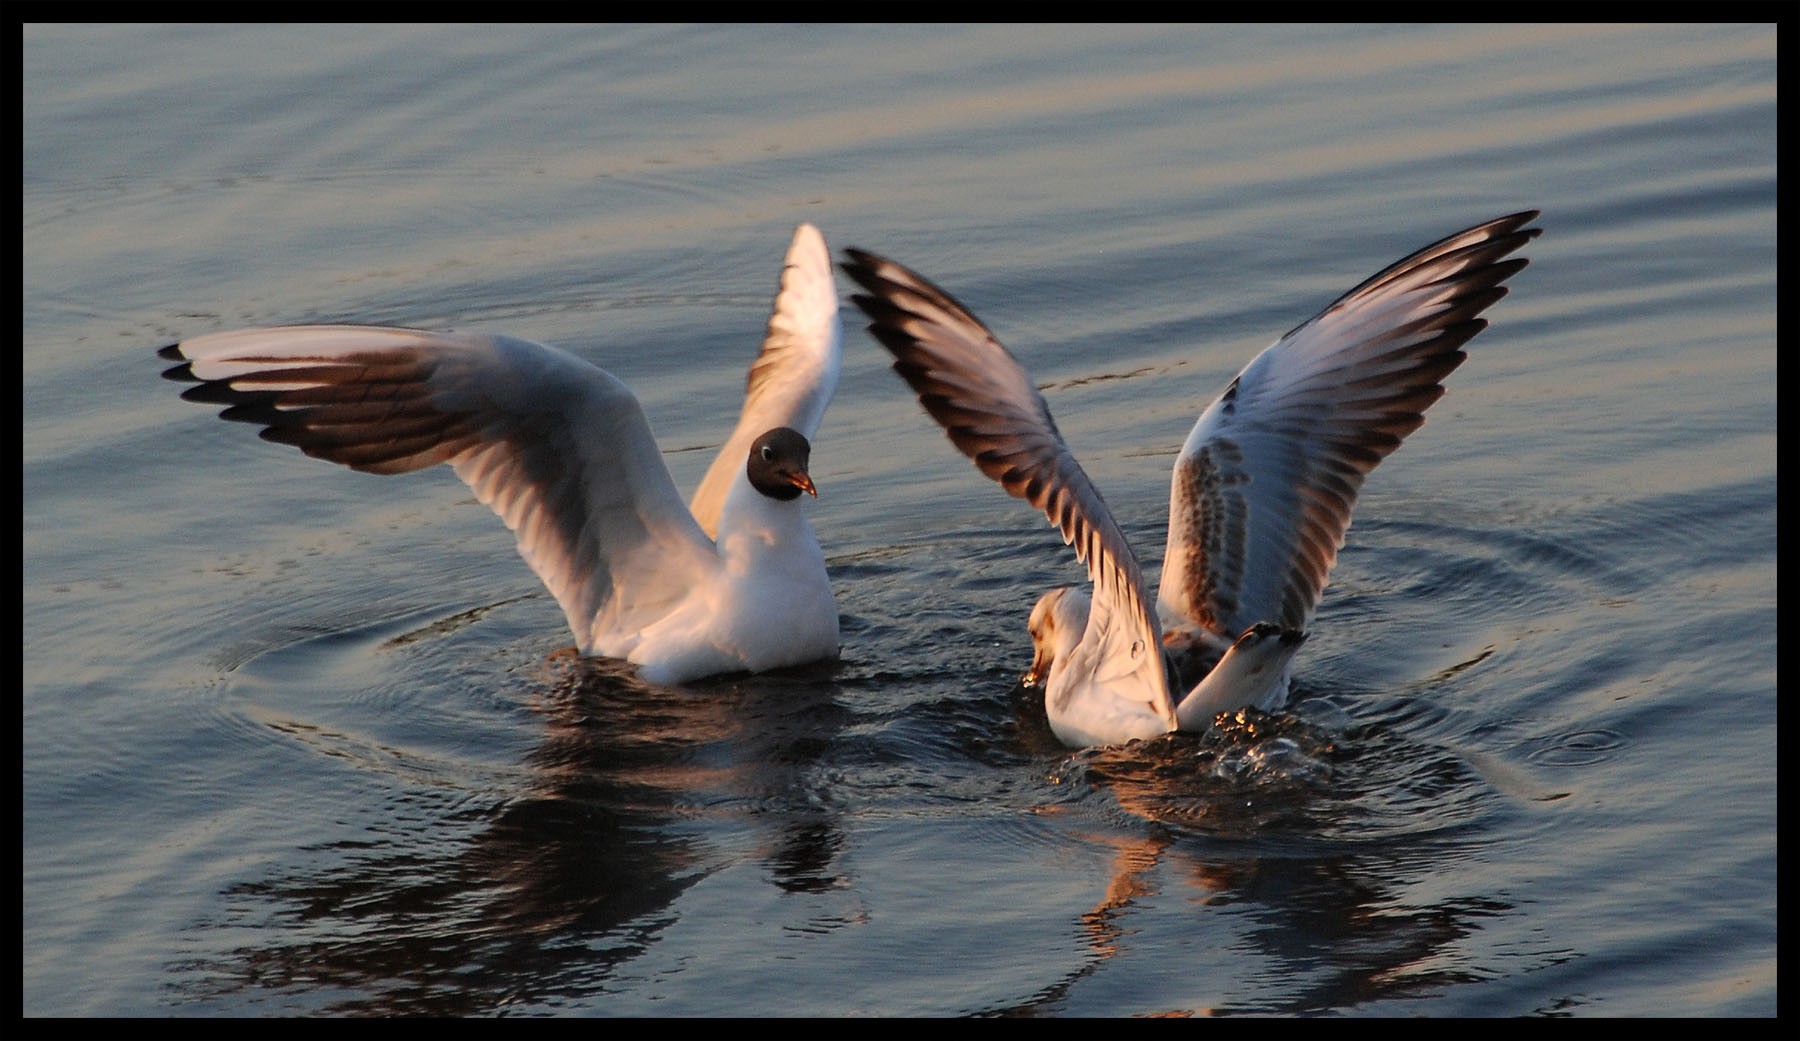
column 1261, row 495
column 560, row 449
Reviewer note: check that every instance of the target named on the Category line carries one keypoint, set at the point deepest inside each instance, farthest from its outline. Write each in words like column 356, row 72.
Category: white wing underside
column 556, row 446
column 794, row 375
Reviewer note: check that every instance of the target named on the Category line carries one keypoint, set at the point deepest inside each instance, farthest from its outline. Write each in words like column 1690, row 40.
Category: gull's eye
column 767, row 453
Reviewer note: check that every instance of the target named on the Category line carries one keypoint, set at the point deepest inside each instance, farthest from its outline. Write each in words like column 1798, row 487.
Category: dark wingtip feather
column 209, row 392
column 183, row 373
column 261, row 413
column 861, row 264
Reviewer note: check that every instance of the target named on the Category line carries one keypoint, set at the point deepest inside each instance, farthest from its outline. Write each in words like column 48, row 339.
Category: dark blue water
column 298, row 740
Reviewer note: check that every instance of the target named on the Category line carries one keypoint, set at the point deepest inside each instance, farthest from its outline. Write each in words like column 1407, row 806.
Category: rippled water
column 298, row 740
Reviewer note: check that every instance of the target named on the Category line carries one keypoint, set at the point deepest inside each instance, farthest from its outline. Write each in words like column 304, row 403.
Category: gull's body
column 1261, row 494
column 562, row 452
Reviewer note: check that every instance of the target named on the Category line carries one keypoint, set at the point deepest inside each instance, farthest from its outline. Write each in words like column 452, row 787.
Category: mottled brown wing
column 987, row 404
column 1264, row 487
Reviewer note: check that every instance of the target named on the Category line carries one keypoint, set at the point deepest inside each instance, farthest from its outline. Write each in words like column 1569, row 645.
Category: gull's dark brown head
column 777, row 465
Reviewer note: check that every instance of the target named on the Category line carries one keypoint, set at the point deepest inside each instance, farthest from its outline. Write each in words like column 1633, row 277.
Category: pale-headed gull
column 561, row 450
column 1261, row 494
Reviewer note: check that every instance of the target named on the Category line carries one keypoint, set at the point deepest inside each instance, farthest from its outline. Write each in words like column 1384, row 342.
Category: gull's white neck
column 757, row 532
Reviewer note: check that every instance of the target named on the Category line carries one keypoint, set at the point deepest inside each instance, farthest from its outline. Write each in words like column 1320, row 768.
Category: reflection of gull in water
column 562, row 452
column 1261, row 495
column 1287, row 889
column 537, row 887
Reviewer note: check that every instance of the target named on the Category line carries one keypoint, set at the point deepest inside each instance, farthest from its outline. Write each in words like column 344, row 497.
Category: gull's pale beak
column 1037, row 674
